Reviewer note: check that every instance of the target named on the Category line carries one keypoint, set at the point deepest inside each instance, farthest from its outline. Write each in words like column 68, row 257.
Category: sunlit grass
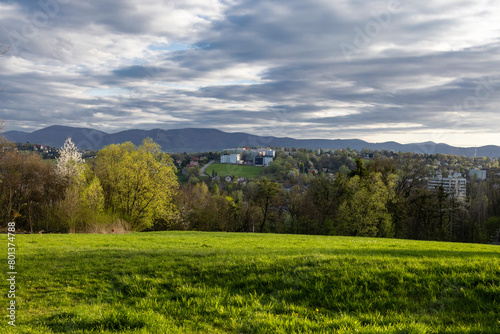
column 193, row 282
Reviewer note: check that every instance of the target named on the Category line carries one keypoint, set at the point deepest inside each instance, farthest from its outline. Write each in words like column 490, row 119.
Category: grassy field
column 193, row 282
column 223, row 170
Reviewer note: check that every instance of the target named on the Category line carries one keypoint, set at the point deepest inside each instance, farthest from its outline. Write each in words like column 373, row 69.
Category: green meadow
column 223, row 170
column 195, row 282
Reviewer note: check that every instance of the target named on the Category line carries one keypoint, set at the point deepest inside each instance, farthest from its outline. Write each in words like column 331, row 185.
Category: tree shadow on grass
column 68, row 322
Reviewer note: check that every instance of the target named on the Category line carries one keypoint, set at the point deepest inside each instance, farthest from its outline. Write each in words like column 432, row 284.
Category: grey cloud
column 393, row 80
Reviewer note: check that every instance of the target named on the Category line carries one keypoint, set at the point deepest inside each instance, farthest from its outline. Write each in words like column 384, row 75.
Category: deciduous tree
column 266, row 193
column 70, row 163
column 28, row 188
column 362, row 210
column 138, row 182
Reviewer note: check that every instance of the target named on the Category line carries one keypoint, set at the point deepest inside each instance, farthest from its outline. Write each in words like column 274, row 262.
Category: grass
column 223, row 170
column 194, row 282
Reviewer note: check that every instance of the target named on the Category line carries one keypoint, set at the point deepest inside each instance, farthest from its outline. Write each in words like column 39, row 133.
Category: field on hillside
column 194, row 282
column 223, row 170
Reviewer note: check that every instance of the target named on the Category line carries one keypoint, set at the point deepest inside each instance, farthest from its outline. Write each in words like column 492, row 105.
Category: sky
column 391, row 70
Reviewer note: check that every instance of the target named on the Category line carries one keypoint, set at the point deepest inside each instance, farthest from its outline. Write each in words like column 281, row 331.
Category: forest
column 140, row 188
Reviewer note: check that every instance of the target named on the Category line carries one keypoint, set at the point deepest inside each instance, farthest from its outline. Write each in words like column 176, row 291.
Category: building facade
column 255, row 156
column 454, row 185
column 230, row 159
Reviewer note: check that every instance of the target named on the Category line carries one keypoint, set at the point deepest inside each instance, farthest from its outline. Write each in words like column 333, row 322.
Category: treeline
column 386, row 198
column 135, row 188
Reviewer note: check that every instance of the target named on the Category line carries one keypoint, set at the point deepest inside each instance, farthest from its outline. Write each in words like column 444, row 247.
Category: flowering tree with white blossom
column 70, row 162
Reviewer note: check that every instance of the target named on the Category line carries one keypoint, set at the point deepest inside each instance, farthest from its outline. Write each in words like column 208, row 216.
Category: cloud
column 382, row 70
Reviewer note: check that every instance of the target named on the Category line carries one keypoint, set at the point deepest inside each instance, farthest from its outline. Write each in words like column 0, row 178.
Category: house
column 40, row 148
column 242, row 180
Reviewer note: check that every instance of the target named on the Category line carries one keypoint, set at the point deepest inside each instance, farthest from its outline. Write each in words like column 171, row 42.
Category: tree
column 70, row 163
column 324, row 195
column 362, row 210
column 266, row 193
column 28, row 188
column 92, row 196
column 69, row 170
column 356, row 216
column 138, row 182
column 360, row 170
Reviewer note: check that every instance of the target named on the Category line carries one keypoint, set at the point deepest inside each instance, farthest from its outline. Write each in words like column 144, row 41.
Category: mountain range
column 203, row 140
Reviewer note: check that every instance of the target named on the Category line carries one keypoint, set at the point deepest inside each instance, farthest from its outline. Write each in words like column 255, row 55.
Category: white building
column 481, row 174
column 267, row 160
column 262, row 160
column 455, row 184
column 267, row 152
column 230, row 159
column 264, row 156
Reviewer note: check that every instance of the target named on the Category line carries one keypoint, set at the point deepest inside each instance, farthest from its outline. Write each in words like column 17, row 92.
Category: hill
column 195, row 282
column 203, row 140
column 56, row 135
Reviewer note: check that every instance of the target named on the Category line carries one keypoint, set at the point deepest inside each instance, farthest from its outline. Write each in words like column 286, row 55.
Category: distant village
column 449, row 175
column 47, row 152
column 454, row 184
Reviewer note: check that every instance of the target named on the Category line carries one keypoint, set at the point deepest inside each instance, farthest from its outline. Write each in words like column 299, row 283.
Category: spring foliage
column 125, row 187
column 138, row 182
column 136, row 188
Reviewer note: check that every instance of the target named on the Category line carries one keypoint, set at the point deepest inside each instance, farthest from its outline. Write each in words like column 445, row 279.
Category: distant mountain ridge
column 202, row 140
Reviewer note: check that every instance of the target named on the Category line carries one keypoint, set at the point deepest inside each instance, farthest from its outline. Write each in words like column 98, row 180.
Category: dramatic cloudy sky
column 401, row 70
